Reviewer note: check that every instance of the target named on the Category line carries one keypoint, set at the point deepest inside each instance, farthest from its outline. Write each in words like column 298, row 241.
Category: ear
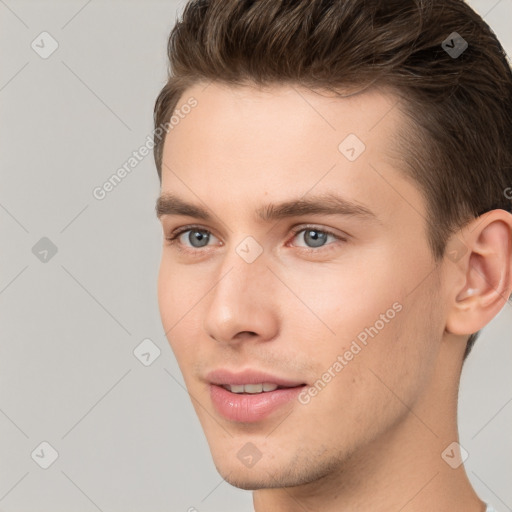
column 480, row 268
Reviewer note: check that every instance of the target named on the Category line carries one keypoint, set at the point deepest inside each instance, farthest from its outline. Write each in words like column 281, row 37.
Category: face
column 302, row 254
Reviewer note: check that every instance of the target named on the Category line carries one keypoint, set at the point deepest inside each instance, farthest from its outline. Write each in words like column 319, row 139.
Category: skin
column 372, row 439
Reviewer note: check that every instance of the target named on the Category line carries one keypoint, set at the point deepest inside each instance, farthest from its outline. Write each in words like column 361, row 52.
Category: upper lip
column 223, row 376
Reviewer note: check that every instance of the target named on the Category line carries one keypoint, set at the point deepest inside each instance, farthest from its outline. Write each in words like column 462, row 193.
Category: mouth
column 252, row 380
column 255, row 389
column 250, row 395
column 252, row 403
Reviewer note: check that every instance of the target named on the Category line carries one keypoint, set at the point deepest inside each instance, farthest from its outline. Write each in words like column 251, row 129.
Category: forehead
column 288, row 104
column 238, row 119
column 284, row 141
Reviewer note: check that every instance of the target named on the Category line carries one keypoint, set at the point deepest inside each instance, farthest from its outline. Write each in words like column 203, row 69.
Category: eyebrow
column 327, row 204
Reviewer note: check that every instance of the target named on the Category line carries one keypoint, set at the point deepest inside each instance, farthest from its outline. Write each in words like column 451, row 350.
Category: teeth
column 251, row 388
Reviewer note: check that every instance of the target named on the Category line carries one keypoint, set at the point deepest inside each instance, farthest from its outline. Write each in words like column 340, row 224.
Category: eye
column 191, row 237
column 314, row 237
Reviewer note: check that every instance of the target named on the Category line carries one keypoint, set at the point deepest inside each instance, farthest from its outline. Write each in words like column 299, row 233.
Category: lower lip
column 248, row 408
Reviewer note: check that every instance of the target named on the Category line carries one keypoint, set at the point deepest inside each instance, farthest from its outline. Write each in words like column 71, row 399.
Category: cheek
column 344, row 299
column 368, row 391
column 177, row 295
column 179, row 288
column 167, row 294
column 375, row 325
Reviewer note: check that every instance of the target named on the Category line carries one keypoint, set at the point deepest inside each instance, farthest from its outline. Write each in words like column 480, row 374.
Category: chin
column 253, row 479
column 248, row 478
column 264, row 475
column 249, row 483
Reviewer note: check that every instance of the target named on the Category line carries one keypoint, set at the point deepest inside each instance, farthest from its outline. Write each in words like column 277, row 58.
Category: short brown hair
column 458, row 143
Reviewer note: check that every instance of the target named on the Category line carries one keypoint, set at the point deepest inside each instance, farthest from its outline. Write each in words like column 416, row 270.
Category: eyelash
column 173, row 239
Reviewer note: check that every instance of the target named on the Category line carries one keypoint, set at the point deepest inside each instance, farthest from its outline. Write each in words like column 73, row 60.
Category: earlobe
column 488, row 274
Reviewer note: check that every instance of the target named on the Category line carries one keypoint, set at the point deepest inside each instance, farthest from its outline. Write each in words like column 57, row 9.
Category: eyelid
column 173, row 241
column 315, row 227
column 175, row 234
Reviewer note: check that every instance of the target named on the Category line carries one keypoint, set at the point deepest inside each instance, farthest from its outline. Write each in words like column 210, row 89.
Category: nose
column 243, row 302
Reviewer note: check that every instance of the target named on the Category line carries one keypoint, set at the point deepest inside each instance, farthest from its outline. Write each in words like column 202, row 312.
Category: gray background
column 126, row 434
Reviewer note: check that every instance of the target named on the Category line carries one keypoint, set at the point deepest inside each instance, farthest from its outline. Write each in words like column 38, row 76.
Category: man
column 335, row 201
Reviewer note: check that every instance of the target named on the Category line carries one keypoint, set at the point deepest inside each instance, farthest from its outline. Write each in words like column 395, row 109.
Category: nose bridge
column 241, row 300
column 243, row 267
